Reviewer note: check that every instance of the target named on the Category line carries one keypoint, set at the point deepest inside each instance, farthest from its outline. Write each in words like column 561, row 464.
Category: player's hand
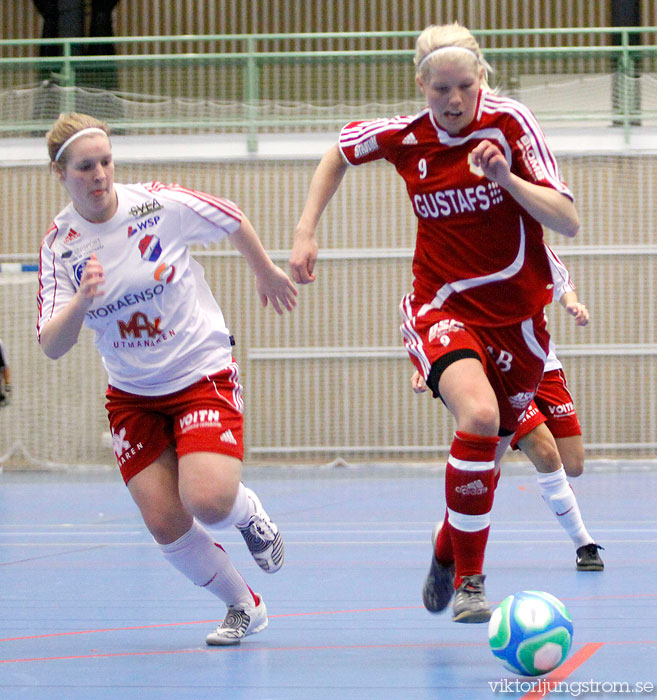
column 276, row 287
column 92, row 281
column 303, row 259
column 417, row 383
column 579, row 312
column 491, row 160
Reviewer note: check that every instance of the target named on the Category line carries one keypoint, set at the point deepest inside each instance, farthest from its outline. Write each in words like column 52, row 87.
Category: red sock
column 469, row 489
column 443, row 551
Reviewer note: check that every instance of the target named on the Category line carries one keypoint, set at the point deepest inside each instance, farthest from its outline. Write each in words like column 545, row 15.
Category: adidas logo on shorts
column 228, row 437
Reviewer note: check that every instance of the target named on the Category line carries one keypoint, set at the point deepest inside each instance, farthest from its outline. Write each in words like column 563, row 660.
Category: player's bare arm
column 418, row 384
column 549, row 207
column 324, row 183
column 575, row 308
column 272, row 283
column 61, row 333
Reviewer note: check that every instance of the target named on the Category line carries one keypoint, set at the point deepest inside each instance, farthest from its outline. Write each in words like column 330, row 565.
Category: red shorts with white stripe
column 553, row 404
column 513, row 356
column 204, row 417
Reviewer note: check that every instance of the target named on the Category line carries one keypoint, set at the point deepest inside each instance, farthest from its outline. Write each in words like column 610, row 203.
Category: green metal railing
column 247, row 66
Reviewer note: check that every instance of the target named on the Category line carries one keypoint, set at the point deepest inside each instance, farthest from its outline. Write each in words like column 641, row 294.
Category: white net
column 554, row 98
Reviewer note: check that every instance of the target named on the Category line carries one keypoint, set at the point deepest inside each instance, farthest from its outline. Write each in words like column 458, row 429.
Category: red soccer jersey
column 478, row 253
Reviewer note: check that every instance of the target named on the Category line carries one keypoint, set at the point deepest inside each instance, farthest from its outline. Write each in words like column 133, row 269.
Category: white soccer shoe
column 241, row 620
column 263, row 538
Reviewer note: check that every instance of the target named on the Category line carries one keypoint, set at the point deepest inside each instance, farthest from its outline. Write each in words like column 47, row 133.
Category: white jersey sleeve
column 560, row 275
column 56, row 288
column 198, row 209
column 562, row 284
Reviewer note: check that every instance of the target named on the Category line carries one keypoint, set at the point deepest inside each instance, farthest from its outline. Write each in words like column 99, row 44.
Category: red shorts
column 553, row 404
column 513, row 356
column 204, row 417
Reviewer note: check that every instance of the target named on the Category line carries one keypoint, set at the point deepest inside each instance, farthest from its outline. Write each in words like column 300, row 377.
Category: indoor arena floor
column 90, row 610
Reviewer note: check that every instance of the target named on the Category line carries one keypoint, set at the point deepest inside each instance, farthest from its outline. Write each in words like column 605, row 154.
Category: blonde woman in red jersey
column 117, row 259
column 483, row 183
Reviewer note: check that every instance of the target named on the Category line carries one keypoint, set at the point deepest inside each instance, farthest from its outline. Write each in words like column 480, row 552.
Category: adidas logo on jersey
column 409, row 139
column 228, row 437
column 474, row 488
column 71, row 236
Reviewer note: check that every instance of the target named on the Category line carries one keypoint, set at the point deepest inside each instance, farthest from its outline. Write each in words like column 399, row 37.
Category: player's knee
column 543, row 453
column 211, row 505
column 481, row 419
column 574, row 467
column 572, row 454
column 547, row 453
column 165, row 525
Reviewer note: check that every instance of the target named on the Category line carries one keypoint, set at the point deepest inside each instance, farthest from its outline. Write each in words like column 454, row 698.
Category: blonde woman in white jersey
column 117, row 260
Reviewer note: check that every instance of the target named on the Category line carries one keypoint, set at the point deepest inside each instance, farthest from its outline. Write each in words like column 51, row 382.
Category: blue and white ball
column 530, row 632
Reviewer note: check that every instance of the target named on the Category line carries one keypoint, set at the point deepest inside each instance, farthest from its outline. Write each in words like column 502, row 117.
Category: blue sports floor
column 89, row 610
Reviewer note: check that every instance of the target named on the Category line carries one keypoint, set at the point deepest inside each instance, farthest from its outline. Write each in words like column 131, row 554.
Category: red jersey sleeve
column 365, row 141
column 531, row 156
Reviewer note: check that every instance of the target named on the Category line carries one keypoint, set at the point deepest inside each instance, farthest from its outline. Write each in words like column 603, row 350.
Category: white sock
column 242, row 510
column 206, row 564
column 560, row 499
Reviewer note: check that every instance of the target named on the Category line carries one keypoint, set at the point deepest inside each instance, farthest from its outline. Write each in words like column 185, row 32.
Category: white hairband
column 442, row 48
column 77, row 134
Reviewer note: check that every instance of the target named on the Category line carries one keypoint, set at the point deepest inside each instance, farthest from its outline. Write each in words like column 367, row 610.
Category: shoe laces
column 592, row 548
column 260, row 527
column 472, row 585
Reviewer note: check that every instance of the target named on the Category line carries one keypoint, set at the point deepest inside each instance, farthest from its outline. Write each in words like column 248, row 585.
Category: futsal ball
column 530, row 632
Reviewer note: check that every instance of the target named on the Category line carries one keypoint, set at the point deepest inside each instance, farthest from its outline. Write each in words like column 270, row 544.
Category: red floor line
column 51, row 555
column 107, row 629
column 201, row 622
column 244, row 649
column 271, row 617
column 302, row 614
column 617, row 596
column 560, row 674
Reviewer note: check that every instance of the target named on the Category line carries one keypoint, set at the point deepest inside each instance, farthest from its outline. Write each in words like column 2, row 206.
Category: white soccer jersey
column 158, row 326
column 562, row 284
